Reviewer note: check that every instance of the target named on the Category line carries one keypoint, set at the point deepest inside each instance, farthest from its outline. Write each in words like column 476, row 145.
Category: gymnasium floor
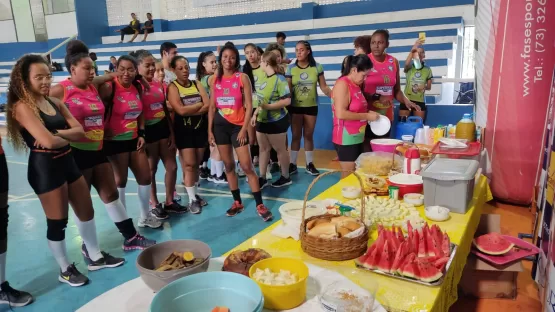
column 32, row 268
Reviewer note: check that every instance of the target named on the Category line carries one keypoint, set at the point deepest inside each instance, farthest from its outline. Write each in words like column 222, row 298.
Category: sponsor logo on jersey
column 304, row 76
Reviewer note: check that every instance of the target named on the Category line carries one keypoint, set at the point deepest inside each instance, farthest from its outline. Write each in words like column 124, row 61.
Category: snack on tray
column 176, row 261
column 375, row 185
column 241, row 261
column 378, row 163
column 387, row 212
column 333, row 228
column 268, row 277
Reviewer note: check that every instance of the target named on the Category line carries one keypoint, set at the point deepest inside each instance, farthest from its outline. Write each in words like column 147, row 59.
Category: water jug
column 416, row 61
column 409, row 127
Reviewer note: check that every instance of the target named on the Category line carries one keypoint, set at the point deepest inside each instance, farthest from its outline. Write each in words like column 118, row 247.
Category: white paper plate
column 380, row 126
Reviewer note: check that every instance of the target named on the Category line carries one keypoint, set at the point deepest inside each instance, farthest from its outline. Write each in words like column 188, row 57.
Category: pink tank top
column 153, row 101
column 87, row 107
column 349, row 132
column 382, row 79
column 229, row 98
column 122, row 125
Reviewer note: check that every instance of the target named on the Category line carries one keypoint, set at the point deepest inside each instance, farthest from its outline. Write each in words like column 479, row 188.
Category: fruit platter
column 423, row 256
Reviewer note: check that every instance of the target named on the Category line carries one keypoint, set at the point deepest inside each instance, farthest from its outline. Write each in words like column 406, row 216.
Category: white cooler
column 449, row 183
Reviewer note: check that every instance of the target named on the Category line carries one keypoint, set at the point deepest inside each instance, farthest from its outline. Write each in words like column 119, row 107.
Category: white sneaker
column 150, row 222
column 269, row 173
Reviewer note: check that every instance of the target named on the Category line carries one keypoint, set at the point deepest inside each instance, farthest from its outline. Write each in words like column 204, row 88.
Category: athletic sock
column 127, row 228
column 213, row 167
column 3, row 267
column 121, row 191
column 219, row 168
column 191, row 193
column 309, row 157
column 204, row 165
column 236, row 195
column 257, row 198
column 58, row 250
column 116, row 211
column 144, row 196
column 293, row 155
column 87, row 229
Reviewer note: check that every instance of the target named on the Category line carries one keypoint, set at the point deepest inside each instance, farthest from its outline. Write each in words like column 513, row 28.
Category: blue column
column 92, row 20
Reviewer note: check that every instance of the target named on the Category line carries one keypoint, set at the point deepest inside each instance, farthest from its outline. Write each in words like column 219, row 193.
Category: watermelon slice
column 441, row 262
column 393, row 240
column 400, row 235
column 362, row 259
column 434, row 245
column 402, row 252
column 493, row 244
column 427, row 272
column 446, row 245
column 387, row 256
column 408, row 259
column 422, row 243
column 373, row 259
column 409, row 228
column 411, row 270
column 415, row 241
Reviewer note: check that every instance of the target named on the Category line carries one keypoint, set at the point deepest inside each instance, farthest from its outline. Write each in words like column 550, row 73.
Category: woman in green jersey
column 303, row 76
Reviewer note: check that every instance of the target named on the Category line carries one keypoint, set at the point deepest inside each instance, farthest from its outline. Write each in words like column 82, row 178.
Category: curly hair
column 19, row 90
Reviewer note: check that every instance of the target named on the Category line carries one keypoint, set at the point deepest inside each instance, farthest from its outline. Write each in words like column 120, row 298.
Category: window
column 5, row 10
column 468, row 52
column 58, row 6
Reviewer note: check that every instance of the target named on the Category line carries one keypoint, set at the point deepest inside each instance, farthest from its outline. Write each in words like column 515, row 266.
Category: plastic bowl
column 416, row 199
column 150, row 258
column 205, row 291
column 407, row 183
column 437, row 213
column 291, row 213
column 384, row 145
column 283, row 297
column 351, row 192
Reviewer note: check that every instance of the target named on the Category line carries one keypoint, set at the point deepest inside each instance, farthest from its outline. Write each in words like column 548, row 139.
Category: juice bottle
column 451, row 131
column 466, row 129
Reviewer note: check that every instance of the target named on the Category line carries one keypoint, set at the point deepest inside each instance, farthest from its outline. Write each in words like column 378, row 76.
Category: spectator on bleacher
column 280, row 41
column 168, row 50
column 148, row 28
column 362, row 45
column 131, row 29
column 303, row 77
column 112, row 66
column 93, row 57
column 418, row 81
column 383, row 83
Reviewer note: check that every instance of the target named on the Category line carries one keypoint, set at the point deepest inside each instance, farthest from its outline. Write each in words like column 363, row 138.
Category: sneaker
column 240, row 172
column 292, row 169
column 159, row 212
column 107, row 260
column 269, row 173
column 236, row 208
column 195, row 207
column 176, row 197
column 262, row 182
column 174, row 207
column 73, row 277
column 282, row 181
column 151, row 204
column 310, row 169
column 204, row 173
column 264, row 213
column 222, row 179
column 275, row 168
column 255, row 161
column 137, row 242
column 212, row 178
column 15, row 298
column 150, row 222
column 201, row 201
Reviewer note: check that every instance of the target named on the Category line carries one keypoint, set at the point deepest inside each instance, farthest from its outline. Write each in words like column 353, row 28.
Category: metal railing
column 49, row 52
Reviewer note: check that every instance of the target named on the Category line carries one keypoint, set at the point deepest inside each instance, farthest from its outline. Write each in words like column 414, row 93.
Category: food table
column 395, row 295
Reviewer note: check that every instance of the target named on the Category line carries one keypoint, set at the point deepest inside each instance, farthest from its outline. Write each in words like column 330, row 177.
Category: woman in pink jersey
column 159, row 135
column 79, row 94
column 383, row 83
column 124, row 136
column 350, row 111
column 228, row 121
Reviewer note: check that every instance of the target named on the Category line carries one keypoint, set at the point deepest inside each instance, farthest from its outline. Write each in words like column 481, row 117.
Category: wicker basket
column 340, row 249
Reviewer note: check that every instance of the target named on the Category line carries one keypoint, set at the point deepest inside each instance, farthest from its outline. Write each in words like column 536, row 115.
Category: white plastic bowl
column 414, row 199
column 437, row 213
column 291, row 213
column 351, row 192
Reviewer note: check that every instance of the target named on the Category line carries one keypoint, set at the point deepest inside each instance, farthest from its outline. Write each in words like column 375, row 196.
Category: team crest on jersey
column 226, row 91
column 386, row 79
column 121, row 99
column 304, row 76
column 218, row 86
column 417, row 74
column 391, row 60
column 235, row 85
column 93, row 107
column 390, row 67
column 263, row 86
column 76, row 101
column 70, row 88
column 132, row 104
column 374, row 70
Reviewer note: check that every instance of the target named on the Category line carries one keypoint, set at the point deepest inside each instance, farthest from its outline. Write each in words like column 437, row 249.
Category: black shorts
column 88, row 159
column 369, row 135
column 225, row 133
column 3, row 174
column 149, row 30
column 275, row 127
column 422, row 105
column 117, row 147
column 349, row 153
column 311, row 111
column 157, row 131
column 191, row 138
column 48, row 171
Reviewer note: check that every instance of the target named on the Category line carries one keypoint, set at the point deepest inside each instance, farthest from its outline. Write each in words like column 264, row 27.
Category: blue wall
column 14, row 50
column 92, row 20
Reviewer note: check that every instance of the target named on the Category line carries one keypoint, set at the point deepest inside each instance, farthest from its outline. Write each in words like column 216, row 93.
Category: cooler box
column 449, row 183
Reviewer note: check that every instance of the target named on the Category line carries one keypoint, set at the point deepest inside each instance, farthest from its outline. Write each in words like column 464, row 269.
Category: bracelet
column 141, row 133
column 376, row 97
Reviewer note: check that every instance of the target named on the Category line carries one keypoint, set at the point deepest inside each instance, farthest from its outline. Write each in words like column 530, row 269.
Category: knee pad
column 56, row 229
column 4, row 223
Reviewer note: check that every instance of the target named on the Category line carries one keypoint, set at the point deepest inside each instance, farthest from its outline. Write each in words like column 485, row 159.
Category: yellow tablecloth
column 394, row 294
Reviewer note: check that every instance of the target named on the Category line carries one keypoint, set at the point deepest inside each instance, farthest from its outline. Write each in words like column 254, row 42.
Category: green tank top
column 305, row 83
column 258, row 75
column 417, row 79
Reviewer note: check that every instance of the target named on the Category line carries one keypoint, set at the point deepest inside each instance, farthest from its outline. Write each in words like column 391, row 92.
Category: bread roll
column 341, row 219
column 351, row 226
column 323, row 229
column 312, row 223
column 343, row 231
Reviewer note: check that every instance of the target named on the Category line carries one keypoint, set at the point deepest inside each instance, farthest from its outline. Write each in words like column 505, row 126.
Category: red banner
column 520, row 82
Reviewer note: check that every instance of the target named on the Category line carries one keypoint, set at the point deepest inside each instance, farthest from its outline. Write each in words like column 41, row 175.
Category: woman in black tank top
column 45, row 126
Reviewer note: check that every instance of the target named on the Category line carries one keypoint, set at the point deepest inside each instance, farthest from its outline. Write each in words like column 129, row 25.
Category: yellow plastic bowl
column 282, row 297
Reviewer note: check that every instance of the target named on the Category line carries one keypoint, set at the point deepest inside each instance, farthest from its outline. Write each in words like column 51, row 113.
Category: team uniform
column 305, row 93
column 230, row 115
column 258, row 76
column 348, row 135
column 156, row 123
column 272, row 89
column 415, row 78
column 190, row 131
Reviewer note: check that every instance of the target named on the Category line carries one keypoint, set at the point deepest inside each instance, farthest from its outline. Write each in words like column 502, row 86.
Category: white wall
column 61, row 25
column 8, row 31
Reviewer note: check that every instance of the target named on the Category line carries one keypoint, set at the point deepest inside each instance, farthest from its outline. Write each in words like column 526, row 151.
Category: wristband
column 376, row 97
column 141, row 133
